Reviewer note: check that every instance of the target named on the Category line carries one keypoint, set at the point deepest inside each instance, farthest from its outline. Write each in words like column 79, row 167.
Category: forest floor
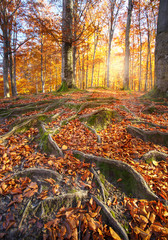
column 84, row 165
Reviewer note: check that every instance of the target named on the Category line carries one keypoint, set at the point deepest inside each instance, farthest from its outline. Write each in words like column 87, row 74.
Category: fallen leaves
column 149, row 218
column 81, row 222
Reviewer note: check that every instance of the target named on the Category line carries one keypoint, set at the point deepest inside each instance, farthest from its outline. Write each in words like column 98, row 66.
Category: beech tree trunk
column 140, row 51
column 127, row 43
column 5, row 63
column 96, row 36
column 161, row 52
column 111, row 33
column 67, row 49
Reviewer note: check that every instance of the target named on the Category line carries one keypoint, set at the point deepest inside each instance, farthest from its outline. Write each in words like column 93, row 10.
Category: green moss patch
column 101, row 119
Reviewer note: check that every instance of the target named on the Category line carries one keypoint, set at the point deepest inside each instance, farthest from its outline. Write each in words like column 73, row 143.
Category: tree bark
column 127, row 43
column 96, row 36
column 67, row 49
column 161, row 52
column 111, row 33
column 5, row 62
column 140, row 52
column 42, row 77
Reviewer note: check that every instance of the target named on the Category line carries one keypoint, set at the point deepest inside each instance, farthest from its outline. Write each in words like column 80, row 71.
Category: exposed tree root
column 50, row 144
column 131, row 181
column 14, row 129
column 56, row 104
column 21, row 110
column 156, row 137
column 147, row 123
column 38, row 172
column 39, row 117
column 107, row 99
column 91, row 105
column 25, row 213
column 155, row 155
column 112, row 221
column 65, row 121
column 57, row 114
column 127, row 110
column 102, row 188
column 93, row 131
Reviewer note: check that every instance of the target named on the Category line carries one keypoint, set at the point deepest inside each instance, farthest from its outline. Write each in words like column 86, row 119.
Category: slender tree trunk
column 127, row 45
column 140, row 52
column 87, row 66
column 161, row 53
column 83, row 71
column 111, row 33
column 67, row 49
column 5, row 63
column 132, row 70
column 42, row 77
column 94, row 53
column 98, row 82
column 75, row 22
column 36, row 84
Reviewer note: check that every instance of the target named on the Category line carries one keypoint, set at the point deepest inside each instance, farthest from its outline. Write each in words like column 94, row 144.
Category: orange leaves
column 30, row 190
column 145, row 218
column 64, row 147
column 82, row 222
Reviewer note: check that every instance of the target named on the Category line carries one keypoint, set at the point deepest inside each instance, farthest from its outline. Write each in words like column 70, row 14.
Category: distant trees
column 74, row 44
column 161, row 53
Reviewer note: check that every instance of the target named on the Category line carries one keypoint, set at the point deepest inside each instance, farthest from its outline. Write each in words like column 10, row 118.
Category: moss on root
column 101, row 119
column 127, row 183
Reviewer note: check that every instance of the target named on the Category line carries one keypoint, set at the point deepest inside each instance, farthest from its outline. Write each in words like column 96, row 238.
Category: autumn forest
column 98, row 33
column 84, row 120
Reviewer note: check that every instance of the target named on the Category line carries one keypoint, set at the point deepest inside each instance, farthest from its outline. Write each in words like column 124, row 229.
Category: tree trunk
column 5, row 63
column 87, row 66
column 111, row 33
column 42, row 77
column 161, row 52
column 127, row 43
column 75, row 22
column 67, row 49
column 94, row 53
column 140, row 52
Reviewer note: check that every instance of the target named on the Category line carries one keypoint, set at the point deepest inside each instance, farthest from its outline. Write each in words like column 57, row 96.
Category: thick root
column 38, row 172
column 131, row 182
column 49, row 144
column 156, row 137
column 111, row 220
column 155, row 155
column 102, row 188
